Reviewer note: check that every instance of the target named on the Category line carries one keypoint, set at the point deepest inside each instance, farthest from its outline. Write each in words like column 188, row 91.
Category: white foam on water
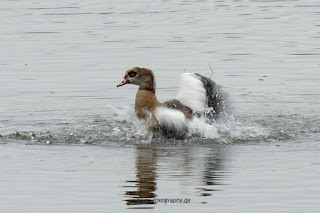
column 226, row 130
column 122, row 125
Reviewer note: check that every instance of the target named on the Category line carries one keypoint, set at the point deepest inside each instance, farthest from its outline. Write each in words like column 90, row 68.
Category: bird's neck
column 146, row 102
column 148, row 84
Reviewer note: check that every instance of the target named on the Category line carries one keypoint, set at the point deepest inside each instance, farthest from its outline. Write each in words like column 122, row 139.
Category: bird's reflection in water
column 145, row 184
column 200, row 171
column 213, row 172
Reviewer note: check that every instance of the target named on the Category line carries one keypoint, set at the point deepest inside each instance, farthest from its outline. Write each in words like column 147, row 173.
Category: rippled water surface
column 70, row 141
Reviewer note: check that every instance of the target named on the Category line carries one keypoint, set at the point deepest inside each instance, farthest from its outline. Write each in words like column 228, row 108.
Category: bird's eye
column 132, row 74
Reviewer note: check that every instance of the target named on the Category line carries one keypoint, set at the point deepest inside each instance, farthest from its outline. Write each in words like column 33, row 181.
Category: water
column 80, row 148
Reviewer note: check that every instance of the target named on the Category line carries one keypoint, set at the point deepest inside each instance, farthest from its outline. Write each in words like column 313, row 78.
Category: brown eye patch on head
column 132, row 73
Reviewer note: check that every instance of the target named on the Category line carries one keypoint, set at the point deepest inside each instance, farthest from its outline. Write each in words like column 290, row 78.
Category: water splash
column 121, row 125
column 227, row 129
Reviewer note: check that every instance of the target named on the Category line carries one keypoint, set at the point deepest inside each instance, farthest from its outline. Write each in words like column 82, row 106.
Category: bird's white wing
column 192, row 92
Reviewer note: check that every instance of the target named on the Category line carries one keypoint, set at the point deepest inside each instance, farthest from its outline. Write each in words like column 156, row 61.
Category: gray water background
column 60, row 64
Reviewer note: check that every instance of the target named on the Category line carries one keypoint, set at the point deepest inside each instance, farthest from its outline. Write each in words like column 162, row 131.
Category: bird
column 198, row 96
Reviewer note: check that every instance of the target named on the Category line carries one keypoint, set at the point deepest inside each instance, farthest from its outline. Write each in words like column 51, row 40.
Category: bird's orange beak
column 125, row 81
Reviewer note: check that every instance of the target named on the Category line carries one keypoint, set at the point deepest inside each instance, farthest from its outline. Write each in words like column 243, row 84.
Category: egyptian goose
column 198, row 96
